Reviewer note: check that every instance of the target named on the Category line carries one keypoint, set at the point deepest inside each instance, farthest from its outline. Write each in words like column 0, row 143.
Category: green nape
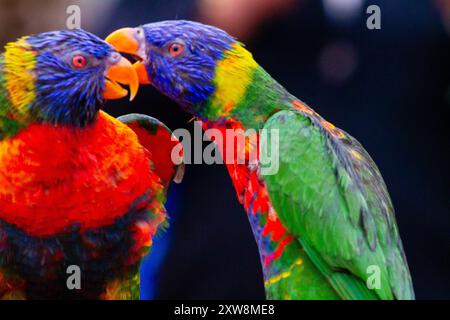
column 8, row 126
column 262, row 97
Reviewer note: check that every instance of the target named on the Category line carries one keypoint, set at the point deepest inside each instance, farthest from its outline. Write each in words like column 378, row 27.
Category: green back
column 331, row 196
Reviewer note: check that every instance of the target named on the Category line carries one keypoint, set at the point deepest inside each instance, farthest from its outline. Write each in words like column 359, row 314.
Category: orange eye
column 175, row 49
column 79, row 61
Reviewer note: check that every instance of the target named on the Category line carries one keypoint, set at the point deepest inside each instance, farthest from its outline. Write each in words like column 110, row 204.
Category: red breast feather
column 52, row 177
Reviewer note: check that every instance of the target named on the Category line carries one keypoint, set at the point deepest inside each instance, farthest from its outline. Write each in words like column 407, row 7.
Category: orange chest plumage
column 54, row 177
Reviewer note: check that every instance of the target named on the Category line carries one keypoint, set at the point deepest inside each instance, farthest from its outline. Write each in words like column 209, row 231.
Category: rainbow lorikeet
column 324, row 222
column 78, row 188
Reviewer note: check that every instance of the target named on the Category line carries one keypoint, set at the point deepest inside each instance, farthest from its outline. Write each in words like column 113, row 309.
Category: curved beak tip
column 133, row 93
column 122, row 72
column 124, row 40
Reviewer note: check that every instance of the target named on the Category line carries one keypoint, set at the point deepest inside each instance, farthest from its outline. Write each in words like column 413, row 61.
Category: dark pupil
column 78, row 61
column 175, row 48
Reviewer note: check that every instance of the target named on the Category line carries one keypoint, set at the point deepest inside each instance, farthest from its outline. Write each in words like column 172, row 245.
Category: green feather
column 8, row 126
column 330, row 195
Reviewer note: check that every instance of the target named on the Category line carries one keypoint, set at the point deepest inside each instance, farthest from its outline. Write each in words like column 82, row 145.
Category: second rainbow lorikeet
column 324, row 220
column 77, row 186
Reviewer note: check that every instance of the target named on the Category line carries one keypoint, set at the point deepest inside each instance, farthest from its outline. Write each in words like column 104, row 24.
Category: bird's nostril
column 115, row 57
column 139, row 33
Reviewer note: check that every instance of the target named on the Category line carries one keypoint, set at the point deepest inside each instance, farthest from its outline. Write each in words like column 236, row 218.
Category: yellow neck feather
column 18, row 65
column 233, row 75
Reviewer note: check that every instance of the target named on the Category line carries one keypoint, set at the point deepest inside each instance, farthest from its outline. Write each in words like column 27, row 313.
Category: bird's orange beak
column 125, row 40
column 121, row 72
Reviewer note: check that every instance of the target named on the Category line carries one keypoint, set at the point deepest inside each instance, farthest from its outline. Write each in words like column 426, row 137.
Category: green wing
column 8, row 126
column 329, row 193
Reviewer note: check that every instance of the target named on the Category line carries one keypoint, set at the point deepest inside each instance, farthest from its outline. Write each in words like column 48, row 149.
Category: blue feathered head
column 61, row 77
column 180, row 56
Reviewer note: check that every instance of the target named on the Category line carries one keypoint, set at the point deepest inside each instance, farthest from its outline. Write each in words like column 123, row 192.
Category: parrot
column 323, row 221
column 81, row 193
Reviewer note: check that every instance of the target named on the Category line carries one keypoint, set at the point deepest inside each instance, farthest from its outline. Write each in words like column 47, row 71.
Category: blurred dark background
column 389, row 88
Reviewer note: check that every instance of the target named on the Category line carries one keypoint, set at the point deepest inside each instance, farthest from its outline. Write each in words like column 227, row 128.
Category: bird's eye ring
column 79, row 61
column 175, row 49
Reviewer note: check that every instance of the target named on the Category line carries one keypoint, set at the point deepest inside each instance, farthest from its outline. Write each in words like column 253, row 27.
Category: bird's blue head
column 62, row 77
column 183, row 59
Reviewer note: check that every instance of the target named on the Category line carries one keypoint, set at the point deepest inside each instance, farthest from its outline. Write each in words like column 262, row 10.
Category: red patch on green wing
column 250, row 187
column 160, row 146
